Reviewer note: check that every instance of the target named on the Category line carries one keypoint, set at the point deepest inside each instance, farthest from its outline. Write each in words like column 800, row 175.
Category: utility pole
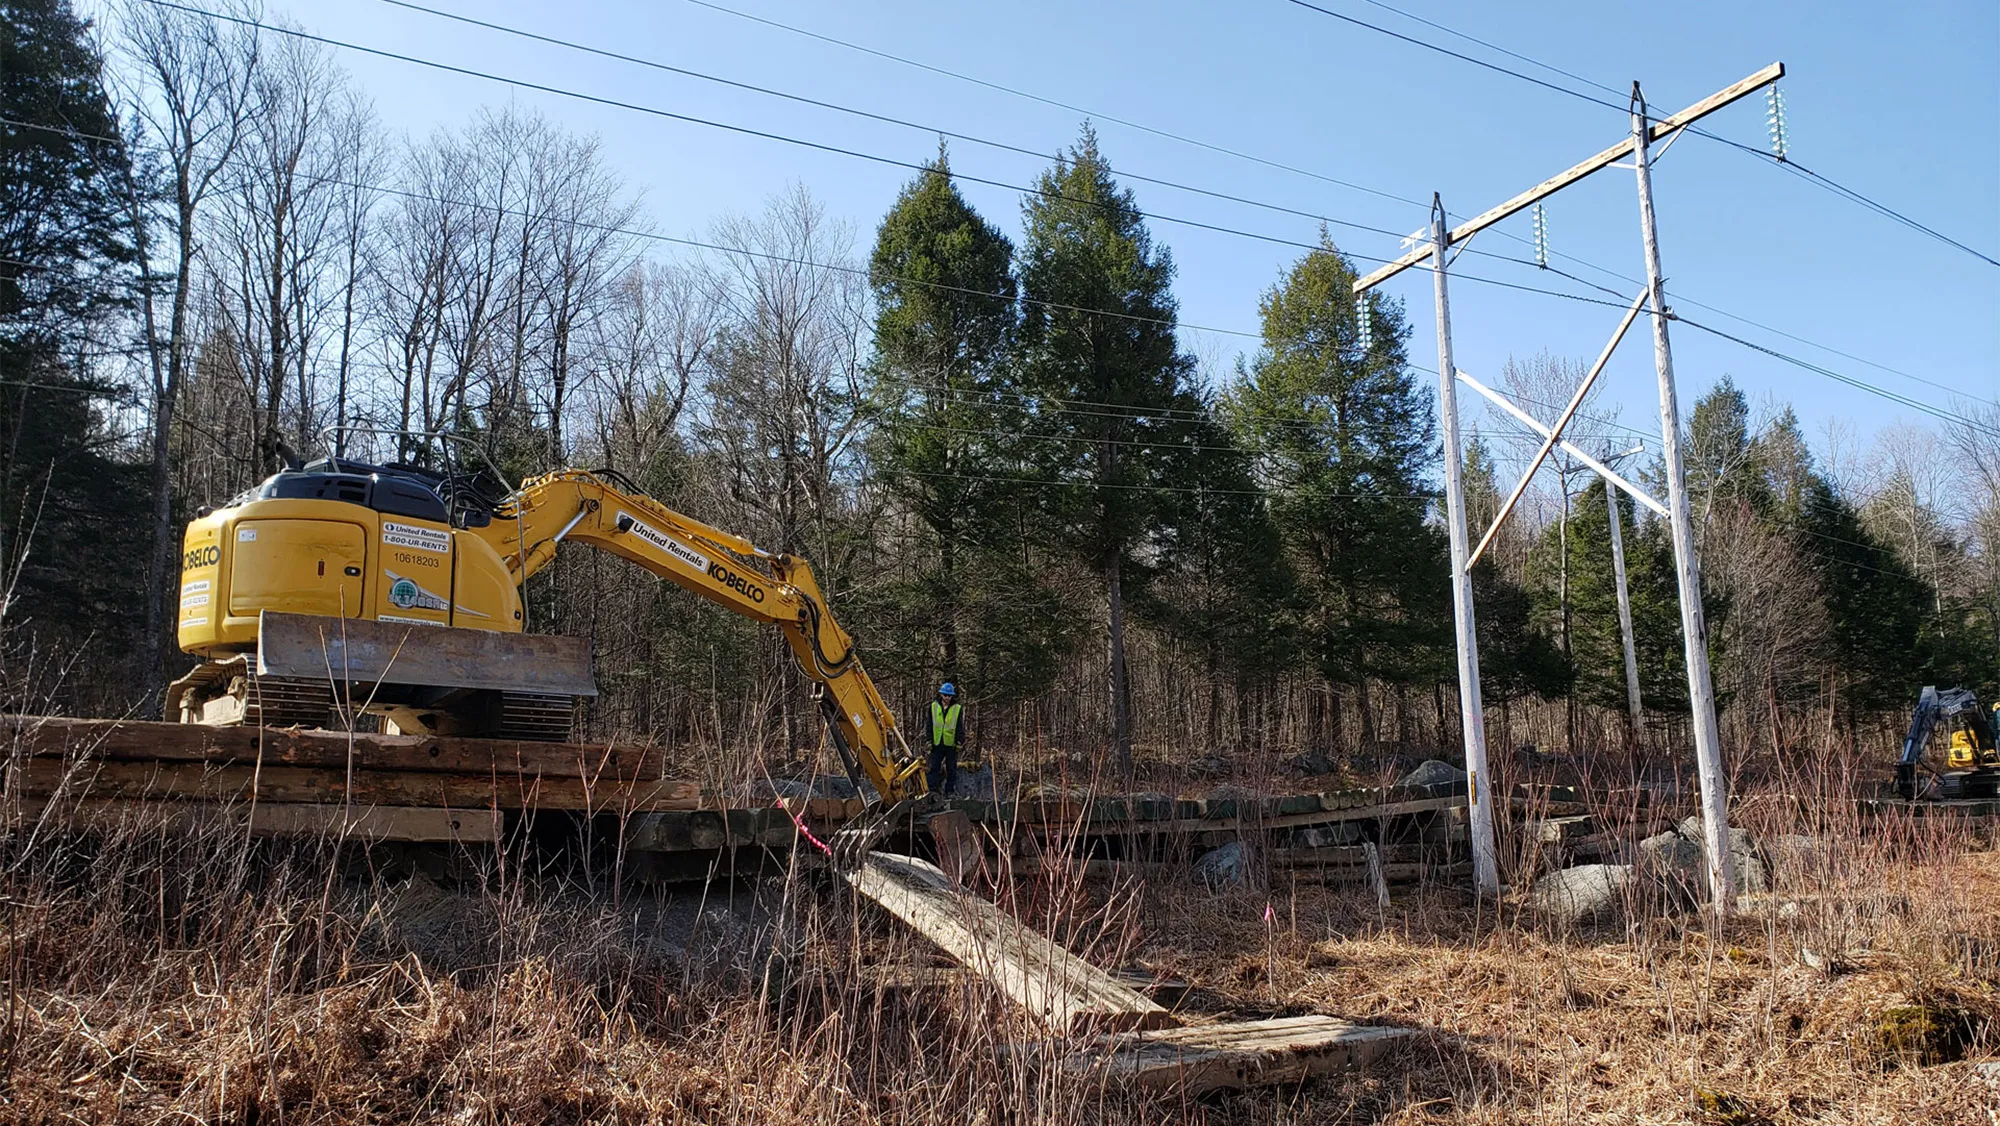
column 1632, row 702
column 1472, row 714
column 1701, row 692
column 1694, row 628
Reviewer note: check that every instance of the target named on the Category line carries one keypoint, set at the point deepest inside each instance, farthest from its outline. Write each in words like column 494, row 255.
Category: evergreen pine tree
column 966, row 603
column 68, row 511
column 1098, row 347
column 1346, row 436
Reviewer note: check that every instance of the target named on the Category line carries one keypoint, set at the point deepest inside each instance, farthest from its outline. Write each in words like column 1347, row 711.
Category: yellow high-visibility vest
column 944, row 725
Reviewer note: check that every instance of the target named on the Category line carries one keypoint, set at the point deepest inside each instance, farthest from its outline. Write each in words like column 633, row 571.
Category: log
column 1211, row 1057
column 141, row 740
column 1057, row 987
column 369, row 787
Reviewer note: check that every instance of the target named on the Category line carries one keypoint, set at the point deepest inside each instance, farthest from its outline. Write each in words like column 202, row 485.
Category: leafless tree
column 189, row 89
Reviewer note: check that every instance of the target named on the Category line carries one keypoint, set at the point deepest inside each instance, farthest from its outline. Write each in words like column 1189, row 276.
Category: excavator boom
column 588, row 507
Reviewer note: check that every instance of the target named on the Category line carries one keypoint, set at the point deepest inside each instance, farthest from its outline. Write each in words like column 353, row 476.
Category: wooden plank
column 1285, row 821
column 357, row 650
column 369, row 787
column 1578, row 171
column 1197, row 1059
column 366, row 822
column 1057, row 987
column 144, row 740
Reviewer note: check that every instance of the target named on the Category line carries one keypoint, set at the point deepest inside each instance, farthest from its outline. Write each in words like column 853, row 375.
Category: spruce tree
column 1114, row 403
column 1346, row 437
column 965, row 601
column 68, row 510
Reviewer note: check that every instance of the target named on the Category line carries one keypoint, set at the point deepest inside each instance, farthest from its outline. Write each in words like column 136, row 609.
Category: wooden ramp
column 1057, row 987
column 1214, row 1057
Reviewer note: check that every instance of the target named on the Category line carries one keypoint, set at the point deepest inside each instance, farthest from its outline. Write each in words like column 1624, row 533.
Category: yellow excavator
column 340, row 588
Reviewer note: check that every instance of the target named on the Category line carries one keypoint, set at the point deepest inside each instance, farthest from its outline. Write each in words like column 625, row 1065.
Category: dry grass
column 156, row 977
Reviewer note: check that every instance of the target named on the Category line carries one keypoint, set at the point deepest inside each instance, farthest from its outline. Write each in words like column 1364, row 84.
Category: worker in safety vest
column 947, row 735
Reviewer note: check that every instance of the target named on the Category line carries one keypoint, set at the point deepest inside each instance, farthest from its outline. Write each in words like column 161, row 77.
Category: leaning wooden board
column 1053, row 985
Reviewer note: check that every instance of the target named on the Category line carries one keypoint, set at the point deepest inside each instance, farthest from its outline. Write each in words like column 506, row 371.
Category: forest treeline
column 1002, row 455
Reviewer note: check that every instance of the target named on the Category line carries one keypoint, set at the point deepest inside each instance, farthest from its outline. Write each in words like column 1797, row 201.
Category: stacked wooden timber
column 407, row 787
column 426, row 788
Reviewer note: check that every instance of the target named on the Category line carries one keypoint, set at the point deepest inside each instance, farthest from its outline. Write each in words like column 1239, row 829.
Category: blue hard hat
column 947, row 689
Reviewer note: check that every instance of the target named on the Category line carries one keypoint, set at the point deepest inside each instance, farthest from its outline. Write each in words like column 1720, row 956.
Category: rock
column 1988, row 1071
column 1671, row 855
column 1583, row 892
column 1746, row 862
column 1210, row 765
column 1228, row 866
column 1433, row 772
column 1312, row 762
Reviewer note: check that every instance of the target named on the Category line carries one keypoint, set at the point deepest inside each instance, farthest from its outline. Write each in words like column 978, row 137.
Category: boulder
column 1228, row 866
column 1433, row 772
column 1312, row 762
column 1210, row 765
column 1672, row 855
column 1583, row 892
column 1746, row 862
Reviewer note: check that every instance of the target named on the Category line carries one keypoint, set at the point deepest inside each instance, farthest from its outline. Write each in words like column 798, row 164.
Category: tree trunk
column 1121, row 721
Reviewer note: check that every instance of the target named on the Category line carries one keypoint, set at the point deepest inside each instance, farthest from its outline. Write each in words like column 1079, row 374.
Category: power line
column 1098, row 114
column 1461, row 56
column 696, row 244
column 1841, row 190
column 1203, row 490
column 816, row 145
column 962, row 290
column 1066, row 106
column 886, row 119
column 1829, row 373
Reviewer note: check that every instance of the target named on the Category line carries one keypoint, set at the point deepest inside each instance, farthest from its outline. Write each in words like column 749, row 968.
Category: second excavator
column 341, row 588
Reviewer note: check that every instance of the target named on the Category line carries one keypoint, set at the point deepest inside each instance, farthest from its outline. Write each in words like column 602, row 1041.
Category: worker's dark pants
column 943, row 772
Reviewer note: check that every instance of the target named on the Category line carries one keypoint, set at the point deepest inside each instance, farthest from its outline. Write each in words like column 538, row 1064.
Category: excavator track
column 231, row 693
column 535, row 718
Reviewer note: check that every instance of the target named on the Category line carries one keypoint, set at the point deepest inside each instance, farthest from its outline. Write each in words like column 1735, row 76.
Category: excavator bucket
column 309, row 647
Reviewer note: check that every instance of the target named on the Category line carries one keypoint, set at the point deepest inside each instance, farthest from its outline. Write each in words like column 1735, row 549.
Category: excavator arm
column 604, row 512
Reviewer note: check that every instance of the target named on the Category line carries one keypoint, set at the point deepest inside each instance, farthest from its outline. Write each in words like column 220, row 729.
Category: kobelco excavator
column 342, row 588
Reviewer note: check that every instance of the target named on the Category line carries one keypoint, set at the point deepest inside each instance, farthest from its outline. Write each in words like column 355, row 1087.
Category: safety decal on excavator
column 666, row 543
column 405, row 594
column 410, row 535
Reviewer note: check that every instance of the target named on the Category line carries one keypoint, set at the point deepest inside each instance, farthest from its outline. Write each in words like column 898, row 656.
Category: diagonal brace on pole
column 1529, row 421
column 1554, row 434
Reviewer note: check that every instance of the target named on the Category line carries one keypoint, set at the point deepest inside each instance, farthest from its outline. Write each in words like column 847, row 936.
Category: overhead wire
column 811, row 144
column 696, row 244
column 1839, row 189
column 1098, row 114
column 1004, row 146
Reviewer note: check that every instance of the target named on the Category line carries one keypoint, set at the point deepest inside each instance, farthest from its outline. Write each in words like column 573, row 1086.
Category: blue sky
column 1895, row 101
